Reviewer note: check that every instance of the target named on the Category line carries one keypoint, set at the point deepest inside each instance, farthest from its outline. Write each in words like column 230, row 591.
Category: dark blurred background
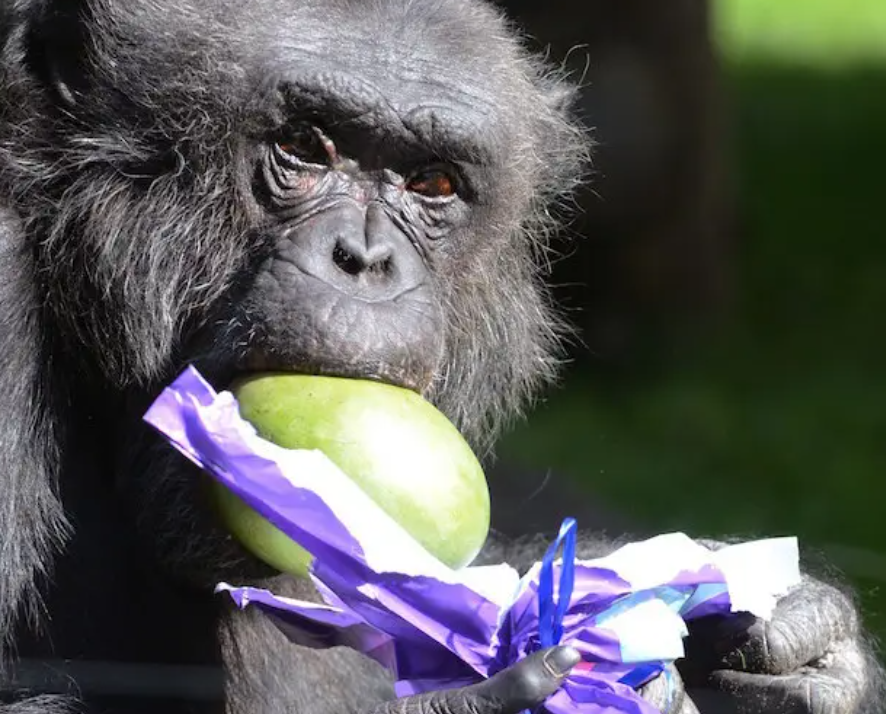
column 728, row 275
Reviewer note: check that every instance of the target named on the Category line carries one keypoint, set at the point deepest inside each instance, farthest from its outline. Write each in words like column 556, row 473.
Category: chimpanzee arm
column 32, row 523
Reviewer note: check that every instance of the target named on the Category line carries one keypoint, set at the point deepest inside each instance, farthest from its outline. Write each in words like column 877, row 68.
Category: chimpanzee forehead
column 417, row 50
column 441, row 72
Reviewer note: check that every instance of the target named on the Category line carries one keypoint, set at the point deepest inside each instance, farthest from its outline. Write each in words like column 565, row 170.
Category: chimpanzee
column 363, row 188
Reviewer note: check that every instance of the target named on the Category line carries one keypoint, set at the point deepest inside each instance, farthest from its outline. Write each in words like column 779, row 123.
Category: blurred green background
column 778, row 424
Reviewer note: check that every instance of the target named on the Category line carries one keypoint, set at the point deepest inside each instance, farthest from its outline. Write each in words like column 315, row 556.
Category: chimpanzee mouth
column 406, row 377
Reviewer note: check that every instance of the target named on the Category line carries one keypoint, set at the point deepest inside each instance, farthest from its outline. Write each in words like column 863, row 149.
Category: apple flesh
column 403, row 452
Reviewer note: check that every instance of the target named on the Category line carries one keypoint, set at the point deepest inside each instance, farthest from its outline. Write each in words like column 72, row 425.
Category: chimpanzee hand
column 811, row 658
column 523, row 686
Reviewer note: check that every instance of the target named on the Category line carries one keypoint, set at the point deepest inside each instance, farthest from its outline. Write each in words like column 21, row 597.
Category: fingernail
column 562, row 659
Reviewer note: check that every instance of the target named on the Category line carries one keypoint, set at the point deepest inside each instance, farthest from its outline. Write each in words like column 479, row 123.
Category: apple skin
column 402, row 451
column 258, row 535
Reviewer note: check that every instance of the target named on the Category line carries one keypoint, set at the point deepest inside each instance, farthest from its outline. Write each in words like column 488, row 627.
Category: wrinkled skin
column 361, row 189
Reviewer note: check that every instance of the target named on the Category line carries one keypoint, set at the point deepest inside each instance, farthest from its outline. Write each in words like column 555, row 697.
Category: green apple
column 402, row 452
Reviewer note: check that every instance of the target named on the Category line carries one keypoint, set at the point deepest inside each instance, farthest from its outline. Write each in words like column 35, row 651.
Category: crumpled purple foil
column 437, row 628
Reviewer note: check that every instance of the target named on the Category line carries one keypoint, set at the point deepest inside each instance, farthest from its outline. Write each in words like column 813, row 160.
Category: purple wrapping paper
column 436, row 628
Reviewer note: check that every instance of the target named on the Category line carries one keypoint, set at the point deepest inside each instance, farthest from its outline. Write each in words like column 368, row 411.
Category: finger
column 667, row 693
column 840, row 687
column 525, row 685
column 803, row 627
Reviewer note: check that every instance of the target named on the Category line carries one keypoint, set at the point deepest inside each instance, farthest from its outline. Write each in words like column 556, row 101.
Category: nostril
column 346, row 261
column 382, row 266
column 375, row 261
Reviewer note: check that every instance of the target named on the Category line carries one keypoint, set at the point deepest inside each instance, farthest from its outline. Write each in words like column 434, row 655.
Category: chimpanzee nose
column 362, row 254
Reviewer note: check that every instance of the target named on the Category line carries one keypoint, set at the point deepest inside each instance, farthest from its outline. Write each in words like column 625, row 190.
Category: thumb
column 522, row 686
column 526, row 684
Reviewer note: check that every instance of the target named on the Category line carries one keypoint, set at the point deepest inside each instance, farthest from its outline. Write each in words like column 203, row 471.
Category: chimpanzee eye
column 308, row 145
column 432, row 183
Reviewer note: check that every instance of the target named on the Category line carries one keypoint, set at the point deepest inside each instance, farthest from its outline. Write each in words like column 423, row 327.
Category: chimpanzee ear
column 32, row 521
column 55, row 39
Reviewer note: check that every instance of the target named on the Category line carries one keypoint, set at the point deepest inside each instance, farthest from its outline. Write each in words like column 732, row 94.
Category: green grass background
column 780, row 426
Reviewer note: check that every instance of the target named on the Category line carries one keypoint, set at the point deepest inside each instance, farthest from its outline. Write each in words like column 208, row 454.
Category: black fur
column 141, row 229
